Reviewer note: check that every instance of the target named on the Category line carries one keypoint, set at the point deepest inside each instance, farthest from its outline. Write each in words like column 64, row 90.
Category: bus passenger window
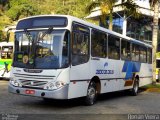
column 113, row 47
column 143, row 54
column 98, row 44
column 135, row 52
column 125, row 50
column 149, row 55
column 80, row 48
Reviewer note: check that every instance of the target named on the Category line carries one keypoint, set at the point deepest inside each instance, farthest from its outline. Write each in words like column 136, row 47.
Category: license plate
column 29, row 91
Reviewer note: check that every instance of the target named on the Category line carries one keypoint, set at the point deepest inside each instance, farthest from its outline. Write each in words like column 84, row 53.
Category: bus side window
column 143, row 54
column 98, row 44
column 113, row 47
column 149, row 55
column 125, row 50
column 135, row 52
column 80, row 45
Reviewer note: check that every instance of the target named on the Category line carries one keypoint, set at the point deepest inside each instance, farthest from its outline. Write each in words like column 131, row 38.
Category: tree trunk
column 155, row 39
column 111, row 20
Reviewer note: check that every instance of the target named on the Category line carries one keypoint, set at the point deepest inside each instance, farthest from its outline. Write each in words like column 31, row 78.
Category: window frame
column 149, row 56
column 104, row 46
column 143, row 59
column 117, row 38
column 125, row 58
column 137, row 46
column 75, row 31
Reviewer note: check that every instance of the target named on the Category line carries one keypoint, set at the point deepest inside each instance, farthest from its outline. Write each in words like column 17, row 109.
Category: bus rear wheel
column 90, row 99
column 134, row 90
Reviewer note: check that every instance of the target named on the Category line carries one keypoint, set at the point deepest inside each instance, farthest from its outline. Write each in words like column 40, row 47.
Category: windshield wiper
column 30, row 50
column 49, row 31
column 28, row 34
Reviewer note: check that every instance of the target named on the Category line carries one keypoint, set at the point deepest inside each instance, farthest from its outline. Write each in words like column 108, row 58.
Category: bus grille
column 32, row 83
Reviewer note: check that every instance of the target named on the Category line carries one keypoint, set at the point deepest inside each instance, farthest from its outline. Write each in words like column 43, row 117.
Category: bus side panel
column 123, row 74
column 77, row 89
column 144, row 71
column 145, row 74
column 79, row 80
column 108, row 71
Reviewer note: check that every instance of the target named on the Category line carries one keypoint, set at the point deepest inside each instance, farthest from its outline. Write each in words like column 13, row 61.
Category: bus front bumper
column 61, row 93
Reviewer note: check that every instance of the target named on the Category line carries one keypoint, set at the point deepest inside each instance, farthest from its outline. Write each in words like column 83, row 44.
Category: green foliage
column 1, row 36
column 72, row 7
column 4, row 20
column 21, row 8
column 152, row 86
column 13, row 10
column 106, row 8
column 130, row 8
column 16, row 9
column 3, row 5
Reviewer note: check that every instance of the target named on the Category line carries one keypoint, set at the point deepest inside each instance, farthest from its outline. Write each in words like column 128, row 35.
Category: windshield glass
column 41, row 50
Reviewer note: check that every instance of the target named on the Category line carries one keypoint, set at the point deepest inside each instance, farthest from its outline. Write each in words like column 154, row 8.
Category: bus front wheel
column 90, row 99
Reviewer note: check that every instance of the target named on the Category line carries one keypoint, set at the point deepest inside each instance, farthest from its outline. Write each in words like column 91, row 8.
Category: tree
column 106, row 7
column 155, row 5
column 3, row 5
column 21, row 8
column 71, row 7
column 130, row 9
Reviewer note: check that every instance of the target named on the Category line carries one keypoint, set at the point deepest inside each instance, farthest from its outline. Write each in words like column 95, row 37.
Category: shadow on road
column 63, row 103
column 49, row 103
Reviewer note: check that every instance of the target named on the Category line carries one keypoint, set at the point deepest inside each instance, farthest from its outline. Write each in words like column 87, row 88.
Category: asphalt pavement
column 117, row 105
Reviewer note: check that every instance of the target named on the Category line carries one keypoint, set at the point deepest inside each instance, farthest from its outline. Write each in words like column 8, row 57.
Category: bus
column 6, row 55
column 63, row 57
column 6, row 52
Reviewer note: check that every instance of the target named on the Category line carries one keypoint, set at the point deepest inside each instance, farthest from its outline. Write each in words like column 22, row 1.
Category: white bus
column 66, row 57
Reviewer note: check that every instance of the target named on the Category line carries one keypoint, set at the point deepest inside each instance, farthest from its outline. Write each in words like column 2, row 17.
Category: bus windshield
column 41, row 50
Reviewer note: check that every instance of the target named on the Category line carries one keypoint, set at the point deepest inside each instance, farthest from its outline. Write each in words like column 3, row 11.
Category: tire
column 91, row 96
column 134, row 90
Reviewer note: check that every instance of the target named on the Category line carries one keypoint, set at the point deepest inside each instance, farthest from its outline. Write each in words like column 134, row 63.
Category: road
column 109, row 105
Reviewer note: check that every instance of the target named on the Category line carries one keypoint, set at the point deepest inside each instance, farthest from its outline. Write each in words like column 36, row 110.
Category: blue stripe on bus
column 130, row 67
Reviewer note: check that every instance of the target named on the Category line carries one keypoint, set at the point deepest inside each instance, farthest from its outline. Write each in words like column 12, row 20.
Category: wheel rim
column 136, row 87
column 91, row 94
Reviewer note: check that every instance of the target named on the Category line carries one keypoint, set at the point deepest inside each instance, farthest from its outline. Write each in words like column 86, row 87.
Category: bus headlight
column 15, row 82
column 54, row 85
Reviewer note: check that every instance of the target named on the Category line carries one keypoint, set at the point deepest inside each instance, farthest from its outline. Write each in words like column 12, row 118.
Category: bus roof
column 71, row 18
